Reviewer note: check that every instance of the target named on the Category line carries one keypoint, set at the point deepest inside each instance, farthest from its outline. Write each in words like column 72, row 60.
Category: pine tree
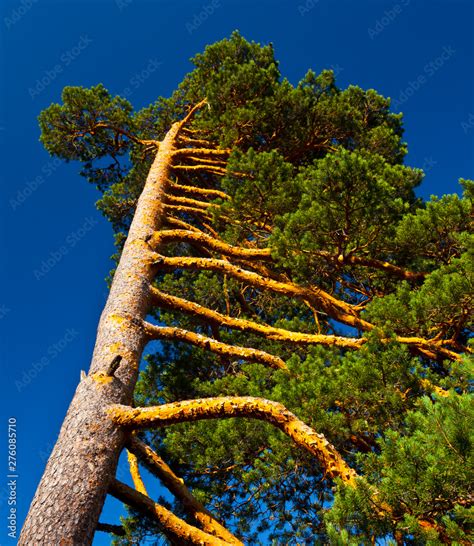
column 311, row 384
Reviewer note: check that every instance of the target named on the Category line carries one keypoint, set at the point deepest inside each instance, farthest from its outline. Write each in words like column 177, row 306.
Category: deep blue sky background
column 49, row 314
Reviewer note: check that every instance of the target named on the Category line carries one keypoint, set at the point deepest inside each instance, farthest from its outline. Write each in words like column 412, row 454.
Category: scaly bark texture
column 69, row 498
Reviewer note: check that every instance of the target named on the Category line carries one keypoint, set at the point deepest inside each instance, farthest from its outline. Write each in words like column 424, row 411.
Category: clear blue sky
column 55, row 247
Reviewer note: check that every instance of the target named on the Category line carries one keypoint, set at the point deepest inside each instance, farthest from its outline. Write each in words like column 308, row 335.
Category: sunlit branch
column 182, row 124
column 204, row 161
column 209, row 242
column 335, row 308
column 194, row 141
column 186, row 201
column 135, row 473
column 270, row 332
column 210, row 344
column 239, row 406
column 186, row 152
column 376, row 264
column 181, row 188
column 430, row 387
column 174, row 528
column 186, row 209
column 176, row 486
column 209, row 168
column 181, row 223
column 431, row 347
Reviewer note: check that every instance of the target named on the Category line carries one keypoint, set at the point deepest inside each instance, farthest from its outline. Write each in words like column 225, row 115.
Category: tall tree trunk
column 70, row 496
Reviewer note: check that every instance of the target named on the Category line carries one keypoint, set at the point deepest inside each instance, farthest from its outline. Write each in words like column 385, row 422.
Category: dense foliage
column 316, row 175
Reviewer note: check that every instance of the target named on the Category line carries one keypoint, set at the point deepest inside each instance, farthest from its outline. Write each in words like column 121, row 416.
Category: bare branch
column 209, row 168
column 181, row 188
column 175, row 199
column 205, row 161
column 337, row 309
column 181, row 223
column 176, row 486
column 178, row 334
column 182, row 124
column 194, row 141
column 176, row 529
column 210, row 242
column 135, row 473
column 108, row 528
column 186, row 209
column 270, row 332
column 239, row 406
column 206, row 152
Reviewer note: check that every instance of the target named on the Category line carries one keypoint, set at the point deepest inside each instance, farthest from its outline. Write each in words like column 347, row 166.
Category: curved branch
column 239, row 406
column 276, row 334
column 171, row 220
column 210, row 168
column 177, row 199
column 178, row 334
column 174, row 528
column 182, row 124
column 200, row 191
column 103, row 125
column 429, row 347
column 335, row 308
column 176, row 486
column 194, row 141
column 186, row 209
column 210, row 242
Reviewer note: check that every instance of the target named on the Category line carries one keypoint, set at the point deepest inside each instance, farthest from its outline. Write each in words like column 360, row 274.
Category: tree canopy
column 293, row 229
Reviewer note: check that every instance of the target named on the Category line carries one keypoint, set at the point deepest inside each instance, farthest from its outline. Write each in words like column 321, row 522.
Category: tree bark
column 70, row 496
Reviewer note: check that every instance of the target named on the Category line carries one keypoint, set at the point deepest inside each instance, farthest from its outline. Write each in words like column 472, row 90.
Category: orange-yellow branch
column 181, row 188
column 209, row 168
column 178, row 200
column 332, row 306
column 204, row 161
column 270, row 332
column 183, row 208
column 429, row 346
column 176, row 486
column 217, row 347
column 210, row 242
column 385, row 266
column 192, row 112
column 202, row 151
column 135, row 473
column 239, row 406
column 176, row 529
column 426, row 384
column 376, row 264
column 335, row 308
column 194, row 141
column 182, row 224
